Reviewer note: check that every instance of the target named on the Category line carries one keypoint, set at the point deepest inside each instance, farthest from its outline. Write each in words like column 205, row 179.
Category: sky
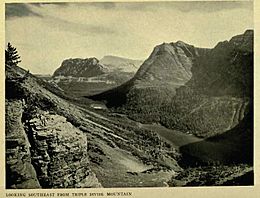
column 45, row 34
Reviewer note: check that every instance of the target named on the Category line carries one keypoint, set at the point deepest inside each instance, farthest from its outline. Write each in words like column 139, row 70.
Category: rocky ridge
column 169, row 63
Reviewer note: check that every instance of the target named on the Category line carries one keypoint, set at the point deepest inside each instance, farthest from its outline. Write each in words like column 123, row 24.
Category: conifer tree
column 11, row 56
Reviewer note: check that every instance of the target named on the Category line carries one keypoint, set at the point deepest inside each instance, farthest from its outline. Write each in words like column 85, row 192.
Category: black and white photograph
column 129, row 94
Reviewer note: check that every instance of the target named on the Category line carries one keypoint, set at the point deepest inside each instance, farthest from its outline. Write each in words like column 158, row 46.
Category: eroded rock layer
column 59, row 151
column 19, row 170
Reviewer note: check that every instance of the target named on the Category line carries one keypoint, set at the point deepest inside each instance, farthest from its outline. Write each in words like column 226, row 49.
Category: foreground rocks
column 19, row 170
column 59, row 151
column 45, row 152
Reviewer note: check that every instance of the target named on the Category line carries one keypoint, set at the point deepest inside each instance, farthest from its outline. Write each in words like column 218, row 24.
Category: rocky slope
column 46, row 151
column 227, row 69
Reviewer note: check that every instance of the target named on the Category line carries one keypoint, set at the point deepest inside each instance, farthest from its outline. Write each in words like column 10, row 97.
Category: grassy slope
column 104, row 135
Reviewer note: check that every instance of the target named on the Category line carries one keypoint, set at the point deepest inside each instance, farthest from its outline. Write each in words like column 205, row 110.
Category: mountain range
column 91, row 67
column 195, row 90
column 75, row 74
column 115, row 63
column 184, row 118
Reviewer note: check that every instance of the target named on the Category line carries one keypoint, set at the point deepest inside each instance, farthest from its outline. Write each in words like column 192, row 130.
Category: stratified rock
column 59, row 153
column 19, row 171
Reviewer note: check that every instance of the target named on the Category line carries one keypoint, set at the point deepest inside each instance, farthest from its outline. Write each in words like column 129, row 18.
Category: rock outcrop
column 43, row 150
column 20, row 172
column 59, row 153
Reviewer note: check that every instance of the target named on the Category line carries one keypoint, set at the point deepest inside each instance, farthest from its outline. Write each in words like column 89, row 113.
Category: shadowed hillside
column 199, row 91
column 233, row 146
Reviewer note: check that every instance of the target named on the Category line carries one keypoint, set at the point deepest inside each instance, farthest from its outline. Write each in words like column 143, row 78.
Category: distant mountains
column 115, row 63
column 80, row 68
column 80, row 77
column 199, row 91
column 91, row 67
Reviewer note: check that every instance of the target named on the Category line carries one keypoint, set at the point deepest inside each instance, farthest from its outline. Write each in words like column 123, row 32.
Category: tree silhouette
column 11, row 56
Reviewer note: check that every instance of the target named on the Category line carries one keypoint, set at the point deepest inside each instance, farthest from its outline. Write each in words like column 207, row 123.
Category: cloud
column 102, row 5
column 78, row 28
column 18, row 10
column 49, row 3
column 184, row 6
column 211, row 6
column 123, row 29
column 23, row 10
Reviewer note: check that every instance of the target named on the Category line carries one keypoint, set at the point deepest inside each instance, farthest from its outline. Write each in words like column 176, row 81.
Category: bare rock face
column 59, row 153
column 169, row 63
column 45, row 152
column 19, row 171
column 80, row 68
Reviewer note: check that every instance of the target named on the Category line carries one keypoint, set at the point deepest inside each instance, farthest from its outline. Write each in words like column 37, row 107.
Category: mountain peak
column 169, row 63
column 79, row 67
column 181, row 44
column 249, row 32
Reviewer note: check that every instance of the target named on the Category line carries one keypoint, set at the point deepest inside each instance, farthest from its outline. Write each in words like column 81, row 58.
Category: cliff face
column 59, row 152
column 80, row 68
column 20, row 172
